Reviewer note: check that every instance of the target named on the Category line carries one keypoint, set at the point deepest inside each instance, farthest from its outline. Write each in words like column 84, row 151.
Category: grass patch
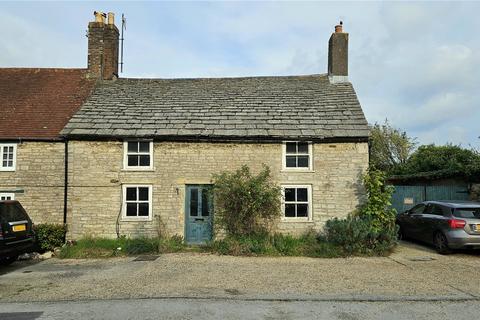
column 308, row 245
column 121, row 247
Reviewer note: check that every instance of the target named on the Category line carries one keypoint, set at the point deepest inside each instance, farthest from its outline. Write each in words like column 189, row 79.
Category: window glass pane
column 5, row 156
column 144, row 146
column 418, row 209
column 145, row 161
column 131, row 209
column 143, row 209
column 131, row 194
column 291, row 161
column 302, row 147
column 289, row 194
column 132, row 146
column 132, row 161
column 291, row 147
column 302, row 194
column 303, row 161
column 143, row 194
column 205, row 203
column 289, row 210
column 302, row 210
column 194, row 202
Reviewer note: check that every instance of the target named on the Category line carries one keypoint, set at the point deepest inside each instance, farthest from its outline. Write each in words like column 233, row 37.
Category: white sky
column 415, row 63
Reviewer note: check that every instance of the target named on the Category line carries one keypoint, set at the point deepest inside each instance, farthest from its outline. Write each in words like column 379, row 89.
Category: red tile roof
column 37, row 103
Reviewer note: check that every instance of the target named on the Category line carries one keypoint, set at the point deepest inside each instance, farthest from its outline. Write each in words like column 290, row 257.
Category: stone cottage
column 143, row 151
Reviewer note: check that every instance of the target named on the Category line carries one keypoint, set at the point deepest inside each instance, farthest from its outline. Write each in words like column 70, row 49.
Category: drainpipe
column 65, row 185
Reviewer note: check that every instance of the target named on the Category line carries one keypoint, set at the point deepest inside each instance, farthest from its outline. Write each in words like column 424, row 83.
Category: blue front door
column 198, row 214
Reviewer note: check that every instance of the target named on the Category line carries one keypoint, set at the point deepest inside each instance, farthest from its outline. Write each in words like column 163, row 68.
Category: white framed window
column 8, row 156
column 297, row 202
column 7, row 196
column 138, row 155
column 297, row 156
column 137, row 202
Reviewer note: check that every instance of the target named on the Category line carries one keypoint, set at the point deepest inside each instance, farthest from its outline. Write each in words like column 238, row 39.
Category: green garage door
column 406, row 197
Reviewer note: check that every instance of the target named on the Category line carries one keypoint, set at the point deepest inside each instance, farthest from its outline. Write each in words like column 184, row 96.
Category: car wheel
column 5, row 261
column 441, row 243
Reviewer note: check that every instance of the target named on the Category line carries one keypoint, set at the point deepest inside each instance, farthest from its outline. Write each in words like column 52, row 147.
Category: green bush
column 50, row 236
column 276, row 245
column 245, row 204
column 357, row 235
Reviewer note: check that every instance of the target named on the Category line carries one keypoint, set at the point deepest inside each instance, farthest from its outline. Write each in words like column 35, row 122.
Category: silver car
column 445, row 224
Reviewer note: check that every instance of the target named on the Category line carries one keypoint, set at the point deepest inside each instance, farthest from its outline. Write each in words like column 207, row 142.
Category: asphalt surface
column 414, row 283
column 238, row 309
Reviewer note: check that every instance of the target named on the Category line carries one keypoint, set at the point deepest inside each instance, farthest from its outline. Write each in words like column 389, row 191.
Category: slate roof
column 37, row 103
column 291, row 107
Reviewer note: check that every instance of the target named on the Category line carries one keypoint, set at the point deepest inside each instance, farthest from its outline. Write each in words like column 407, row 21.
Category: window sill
column 139, row 169
column 296, row 220
column 298, row 170
column 7, row 169
column 125, row 219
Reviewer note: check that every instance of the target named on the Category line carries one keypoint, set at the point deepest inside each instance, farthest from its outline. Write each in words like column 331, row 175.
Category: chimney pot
column 111, row 18
column 99, row 16
column 339, row 27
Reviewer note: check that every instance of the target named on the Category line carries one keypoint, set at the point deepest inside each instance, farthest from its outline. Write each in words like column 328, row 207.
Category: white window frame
column 4, row 195
column 297, row 169
column 309, row 218
column 124, row 202
column 137, row 168
column 2, row 148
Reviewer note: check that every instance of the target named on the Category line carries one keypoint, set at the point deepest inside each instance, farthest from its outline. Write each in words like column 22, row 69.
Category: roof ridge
column 318, row 75
column 35, row 69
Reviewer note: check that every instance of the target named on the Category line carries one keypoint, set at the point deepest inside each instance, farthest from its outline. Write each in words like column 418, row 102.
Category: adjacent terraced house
column 35, row 105
column 144, row 150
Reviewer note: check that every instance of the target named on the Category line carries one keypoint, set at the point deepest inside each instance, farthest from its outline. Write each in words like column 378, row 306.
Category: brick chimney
column 103, row 47
column 338, row 55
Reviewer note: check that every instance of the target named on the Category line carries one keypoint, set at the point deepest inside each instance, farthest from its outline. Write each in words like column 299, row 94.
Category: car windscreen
column 473, row 213
column 11, row 212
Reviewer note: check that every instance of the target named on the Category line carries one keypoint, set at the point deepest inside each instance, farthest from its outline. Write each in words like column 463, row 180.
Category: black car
column 16, row 231
column 445, row 224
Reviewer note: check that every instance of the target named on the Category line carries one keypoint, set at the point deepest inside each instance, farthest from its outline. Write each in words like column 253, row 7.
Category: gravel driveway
column 412, row 272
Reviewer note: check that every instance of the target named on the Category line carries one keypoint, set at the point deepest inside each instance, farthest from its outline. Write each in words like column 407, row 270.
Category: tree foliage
column 389, row 147
column 448, row 160
column 246, row 204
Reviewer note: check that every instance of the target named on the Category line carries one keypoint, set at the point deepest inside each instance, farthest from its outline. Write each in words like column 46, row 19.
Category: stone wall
column 96, row 176
column 38, row 180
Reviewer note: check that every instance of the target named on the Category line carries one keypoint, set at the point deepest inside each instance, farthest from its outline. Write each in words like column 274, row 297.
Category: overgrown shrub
column 358, row 235
column 246, row 204
column 50, row 236
column 377, row 210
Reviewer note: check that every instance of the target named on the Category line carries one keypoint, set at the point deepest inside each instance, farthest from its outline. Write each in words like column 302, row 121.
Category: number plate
column 19, row 227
